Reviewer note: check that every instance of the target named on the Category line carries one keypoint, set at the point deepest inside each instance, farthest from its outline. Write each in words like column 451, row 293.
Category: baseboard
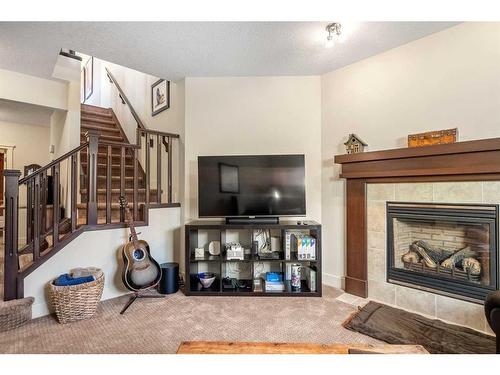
column 39, row 310
column 332, row 280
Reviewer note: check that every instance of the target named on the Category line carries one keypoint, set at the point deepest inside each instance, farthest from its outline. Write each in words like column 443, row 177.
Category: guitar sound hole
column 138, row 254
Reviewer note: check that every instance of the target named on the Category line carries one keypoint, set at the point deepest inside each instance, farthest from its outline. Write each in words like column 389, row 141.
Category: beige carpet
column 159, row 325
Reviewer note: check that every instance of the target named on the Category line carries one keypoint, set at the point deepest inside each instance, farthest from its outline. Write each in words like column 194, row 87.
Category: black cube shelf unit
column 200, row 233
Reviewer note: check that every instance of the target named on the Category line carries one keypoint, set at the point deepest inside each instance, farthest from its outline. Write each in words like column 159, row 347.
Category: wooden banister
column 52, row 163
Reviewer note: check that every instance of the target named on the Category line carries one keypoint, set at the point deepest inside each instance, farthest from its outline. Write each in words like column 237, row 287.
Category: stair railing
column 151, row 139
column 34, row 190
column 39, row 224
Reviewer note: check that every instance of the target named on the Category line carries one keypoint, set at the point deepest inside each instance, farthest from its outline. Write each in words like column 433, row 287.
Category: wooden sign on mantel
column 437, row 137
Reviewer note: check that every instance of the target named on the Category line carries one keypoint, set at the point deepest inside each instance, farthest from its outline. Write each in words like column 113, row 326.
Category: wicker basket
column 76, row 302
column 15, row 313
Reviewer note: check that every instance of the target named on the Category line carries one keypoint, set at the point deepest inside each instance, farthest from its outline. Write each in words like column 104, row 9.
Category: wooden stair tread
column 94, row 108
column 118, row 177
column 102, row 206
column 95, row 113
column 116, row 166
column 113, row 138
column 117, row 191
column 90, row 120
column 85, row 127
column 114, row 154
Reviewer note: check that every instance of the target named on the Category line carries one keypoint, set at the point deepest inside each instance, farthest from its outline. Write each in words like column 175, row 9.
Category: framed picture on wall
column 88, row 74
column 160, row 96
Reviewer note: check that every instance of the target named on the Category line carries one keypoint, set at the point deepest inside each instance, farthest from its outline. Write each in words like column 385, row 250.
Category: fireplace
column 449, row 249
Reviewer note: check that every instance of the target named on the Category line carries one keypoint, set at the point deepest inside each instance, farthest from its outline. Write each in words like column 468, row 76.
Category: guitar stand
column 139, row 295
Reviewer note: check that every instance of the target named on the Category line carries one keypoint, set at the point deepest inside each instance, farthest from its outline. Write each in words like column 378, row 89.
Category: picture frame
column 160, row 96
column 88, row 78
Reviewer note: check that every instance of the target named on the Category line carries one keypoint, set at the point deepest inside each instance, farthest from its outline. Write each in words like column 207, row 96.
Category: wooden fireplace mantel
column 462, row 161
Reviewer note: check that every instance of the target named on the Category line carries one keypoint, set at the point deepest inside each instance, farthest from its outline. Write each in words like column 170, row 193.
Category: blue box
column 274, row 276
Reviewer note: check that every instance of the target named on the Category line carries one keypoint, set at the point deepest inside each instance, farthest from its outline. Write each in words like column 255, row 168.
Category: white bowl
column 206, row 279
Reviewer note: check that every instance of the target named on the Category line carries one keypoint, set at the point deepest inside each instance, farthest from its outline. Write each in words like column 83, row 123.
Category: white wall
column 448, row 79
column 253, row 115
column 102, row 249
column 31, row 141
column 31, row 147
column 28, row 89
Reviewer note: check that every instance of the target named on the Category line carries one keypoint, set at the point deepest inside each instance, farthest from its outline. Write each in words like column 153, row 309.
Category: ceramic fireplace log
column 458, row 257
column 437, row 254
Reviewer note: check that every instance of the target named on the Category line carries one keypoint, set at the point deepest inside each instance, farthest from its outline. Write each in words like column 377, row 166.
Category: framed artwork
column 88, row 78
column 160, row 96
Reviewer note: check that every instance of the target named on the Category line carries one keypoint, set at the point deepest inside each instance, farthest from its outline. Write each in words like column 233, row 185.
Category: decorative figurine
column 437, row 137
column 354, row 144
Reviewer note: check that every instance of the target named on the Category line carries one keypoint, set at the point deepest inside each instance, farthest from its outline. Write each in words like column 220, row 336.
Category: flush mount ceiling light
column 337, row 32
column 334, row 31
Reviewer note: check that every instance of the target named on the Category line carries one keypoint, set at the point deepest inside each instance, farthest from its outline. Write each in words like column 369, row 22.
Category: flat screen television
column 251, row 186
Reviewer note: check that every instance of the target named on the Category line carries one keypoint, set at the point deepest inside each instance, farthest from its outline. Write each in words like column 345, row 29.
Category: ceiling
column 24, row 113
column 174, row 50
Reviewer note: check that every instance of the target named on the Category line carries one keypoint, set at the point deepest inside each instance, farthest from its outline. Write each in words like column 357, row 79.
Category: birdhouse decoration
column 354, row 144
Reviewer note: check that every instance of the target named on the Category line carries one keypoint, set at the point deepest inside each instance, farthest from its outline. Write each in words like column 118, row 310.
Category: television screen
column 257, row 185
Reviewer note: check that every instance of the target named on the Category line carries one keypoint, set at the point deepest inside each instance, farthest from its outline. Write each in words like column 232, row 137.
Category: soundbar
column 253, row 220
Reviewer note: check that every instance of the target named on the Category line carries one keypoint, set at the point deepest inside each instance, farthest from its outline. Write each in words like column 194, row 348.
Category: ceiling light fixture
column 334, row 30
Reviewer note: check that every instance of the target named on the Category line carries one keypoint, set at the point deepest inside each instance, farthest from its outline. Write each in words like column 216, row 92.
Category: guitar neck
column 130, row 222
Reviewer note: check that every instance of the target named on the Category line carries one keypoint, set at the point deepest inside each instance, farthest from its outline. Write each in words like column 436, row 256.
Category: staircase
column 104, row 121
column 88, row 182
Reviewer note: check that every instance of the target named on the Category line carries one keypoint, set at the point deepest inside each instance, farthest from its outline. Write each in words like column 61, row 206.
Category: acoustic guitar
column 141, row 271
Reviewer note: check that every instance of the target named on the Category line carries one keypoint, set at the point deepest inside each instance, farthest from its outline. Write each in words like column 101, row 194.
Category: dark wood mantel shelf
column 462, row 161
column 462, row 158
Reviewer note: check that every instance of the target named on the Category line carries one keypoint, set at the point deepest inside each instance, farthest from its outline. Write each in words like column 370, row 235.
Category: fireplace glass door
column 447, row 248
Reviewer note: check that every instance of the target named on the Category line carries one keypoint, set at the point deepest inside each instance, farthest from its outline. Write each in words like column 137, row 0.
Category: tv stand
column 253, row 220
column 235, row 277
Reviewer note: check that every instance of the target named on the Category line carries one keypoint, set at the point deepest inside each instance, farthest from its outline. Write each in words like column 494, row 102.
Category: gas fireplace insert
column 450, row 249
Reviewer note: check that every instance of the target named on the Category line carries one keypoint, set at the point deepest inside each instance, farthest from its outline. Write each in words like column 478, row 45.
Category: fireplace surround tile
column 381, row 192
column 416, row 300
column 377, row 265
column 458, row 192
column 460, row 312
column 376, row 240
column 491, row 192
column 421, row 192
column 375, row 221
column 382, row 292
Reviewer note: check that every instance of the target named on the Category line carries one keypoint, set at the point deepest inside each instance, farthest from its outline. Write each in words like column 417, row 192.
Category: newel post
column 11, row 290
column 92, row 158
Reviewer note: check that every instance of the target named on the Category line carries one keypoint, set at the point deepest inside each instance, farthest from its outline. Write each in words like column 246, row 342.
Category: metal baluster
column 92, row 155
column 169, row 179
column 108, row 184
column 158, row 169
column 122, row 180
column 56, row 210
column 148, row 166
column 73, row 187
column 36, row 220
column 136, row 185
